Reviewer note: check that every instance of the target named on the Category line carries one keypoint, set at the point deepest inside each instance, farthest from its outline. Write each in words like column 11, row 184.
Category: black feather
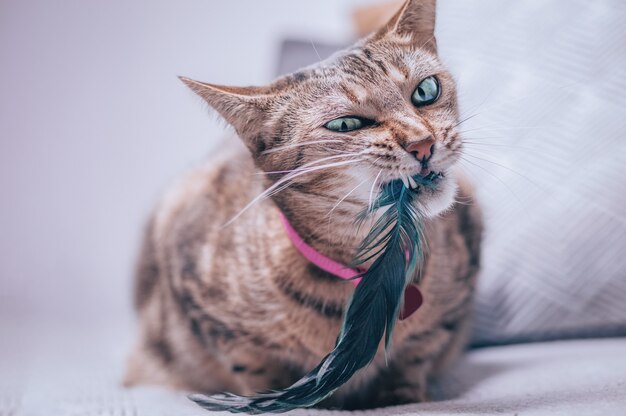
column 395, row 241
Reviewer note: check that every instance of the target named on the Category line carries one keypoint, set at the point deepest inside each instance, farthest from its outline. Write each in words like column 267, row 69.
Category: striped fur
column 236, row 308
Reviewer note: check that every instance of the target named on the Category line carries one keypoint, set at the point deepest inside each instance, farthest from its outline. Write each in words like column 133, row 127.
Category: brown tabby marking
column 237, row 308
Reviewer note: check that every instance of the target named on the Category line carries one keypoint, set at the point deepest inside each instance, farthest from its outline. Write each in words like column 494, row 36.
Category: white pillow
column 545, row 82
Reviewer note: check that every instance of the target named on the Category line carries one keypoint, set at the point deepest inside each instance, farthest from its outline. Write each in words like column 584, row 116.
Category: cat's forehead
column 387, row 61
column 372, row 66
column 371, row 77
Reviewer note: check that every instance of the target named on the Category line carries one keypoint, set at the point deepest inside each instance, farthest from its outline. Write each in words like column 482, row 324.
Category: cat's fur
column 237, row 308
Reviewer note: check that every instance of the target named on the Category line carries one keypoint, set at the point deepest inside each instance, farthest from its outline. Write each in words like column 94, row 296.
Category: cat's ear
column 415, row 19
column 244, row 108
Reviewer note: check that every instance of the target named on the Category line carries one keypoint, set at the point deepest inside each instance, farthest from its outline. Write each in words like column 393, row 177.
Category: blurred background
column 94, row 125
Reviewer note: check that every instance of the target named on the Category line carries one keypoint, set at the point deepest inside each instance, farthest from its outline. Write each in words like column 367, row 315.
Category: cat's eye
column 427, row 92
column 345, row 124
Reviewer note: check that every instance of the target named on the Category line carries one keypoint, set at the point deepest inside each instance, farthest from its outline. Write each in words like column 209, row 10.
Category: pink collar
column 412, row 294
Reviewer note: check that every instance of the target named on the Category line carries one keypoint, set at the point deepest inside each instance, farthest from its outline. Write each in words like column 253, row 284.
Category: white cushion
column 546, row 81
column 61, row 371
column 543, row 83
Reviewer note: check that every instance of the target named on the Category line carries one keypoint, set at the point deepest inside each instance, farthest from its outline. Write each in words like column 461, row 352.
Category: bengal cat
column 225, row 300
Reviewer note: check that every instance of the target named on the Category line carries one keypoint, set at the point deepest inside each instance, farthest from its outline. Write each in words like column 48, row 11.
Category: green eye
column 426, row 92
column 345, row 124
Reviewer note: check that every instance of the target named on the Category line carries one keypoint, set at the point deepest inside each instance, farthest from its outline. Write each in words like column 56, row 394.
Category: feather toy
column 395, row 243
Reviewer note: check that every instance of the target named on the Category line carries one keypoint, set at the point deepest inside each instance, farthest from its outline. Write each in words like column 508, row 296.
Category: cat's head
column 384, row 109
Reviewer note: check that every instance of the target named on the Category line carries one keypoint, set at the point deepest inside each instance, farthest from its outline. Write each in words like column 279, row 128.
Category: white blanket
column 50, row 371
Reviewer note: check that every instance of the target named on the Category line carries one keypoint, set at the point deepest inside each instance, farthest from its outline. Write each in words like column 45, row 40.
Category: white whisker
column 329, row 214
column 369, row 204
column 283, row 184
column 507, row 168
column 481, row 147
column 480, row 129
column 496, row 177
column 309, row 164
column 295, row 145
column 315, row 50
column 348, row 194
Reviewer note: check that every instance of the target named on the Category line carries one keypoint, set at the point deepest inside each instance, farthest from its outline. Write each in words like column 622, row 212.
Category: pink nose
column 423, row 149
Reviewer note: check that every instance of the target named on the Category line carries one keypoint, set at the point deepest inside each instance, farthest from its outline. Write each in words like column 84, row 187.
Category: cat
column 225, row 300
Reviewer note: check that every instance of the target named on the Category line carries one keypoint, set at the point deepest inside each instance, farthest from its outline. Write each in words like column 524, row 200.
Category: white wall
column 94, row 124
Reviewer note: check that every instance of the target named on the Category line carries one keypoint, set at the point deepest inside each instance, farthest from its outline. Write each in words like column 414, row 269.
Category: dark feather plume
column 395, row 242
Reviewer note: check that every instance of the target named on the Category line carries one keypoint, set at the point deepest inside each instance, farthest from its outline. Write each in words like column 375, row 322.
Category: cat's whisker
column 427, row 41
column 474, row 110
column 492, row 149
column 467, row 198
column 286, row 182
column 502, row 147
column 507, row 168
column 480, row 129
column 496, row 177
column 329, row 214
column 278, row 186
column 465, row 119
column 310, row 164
column 533, row 96
column 348, row 194
column 315, row 50
column 465, row 138
column 491, row 126
column 299, row 172
column 296, row 145
column 283, row 184
column 478, row 143
column 466, row 203
column 369, row 204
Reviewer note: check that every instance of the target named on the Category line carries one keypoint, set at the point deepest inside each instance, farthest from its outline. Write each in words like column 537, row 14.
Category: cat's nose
column 422, row 150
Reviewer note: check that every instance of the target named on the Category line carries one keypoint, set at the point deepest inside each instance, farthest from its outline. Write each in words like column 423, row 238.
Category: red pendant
column 412, row 301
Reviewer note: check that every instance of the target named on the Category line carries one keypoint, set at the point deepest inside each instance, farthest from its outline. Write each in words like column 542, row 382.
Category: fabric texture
column 61, row 371
column 542, row 84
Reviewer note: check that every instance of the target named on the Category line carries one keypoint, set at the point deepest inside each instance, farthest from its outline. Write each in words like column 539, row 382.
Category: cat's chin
column 440, row 198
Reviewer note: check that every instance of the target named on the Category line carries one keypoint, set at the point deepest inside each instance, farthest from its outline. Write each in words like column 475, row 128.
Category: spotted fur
column 235, row 307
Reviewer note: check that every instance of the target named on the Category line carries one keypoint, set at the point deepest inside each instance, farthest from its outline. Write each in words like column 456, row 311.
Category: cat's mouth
column 421, row 181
